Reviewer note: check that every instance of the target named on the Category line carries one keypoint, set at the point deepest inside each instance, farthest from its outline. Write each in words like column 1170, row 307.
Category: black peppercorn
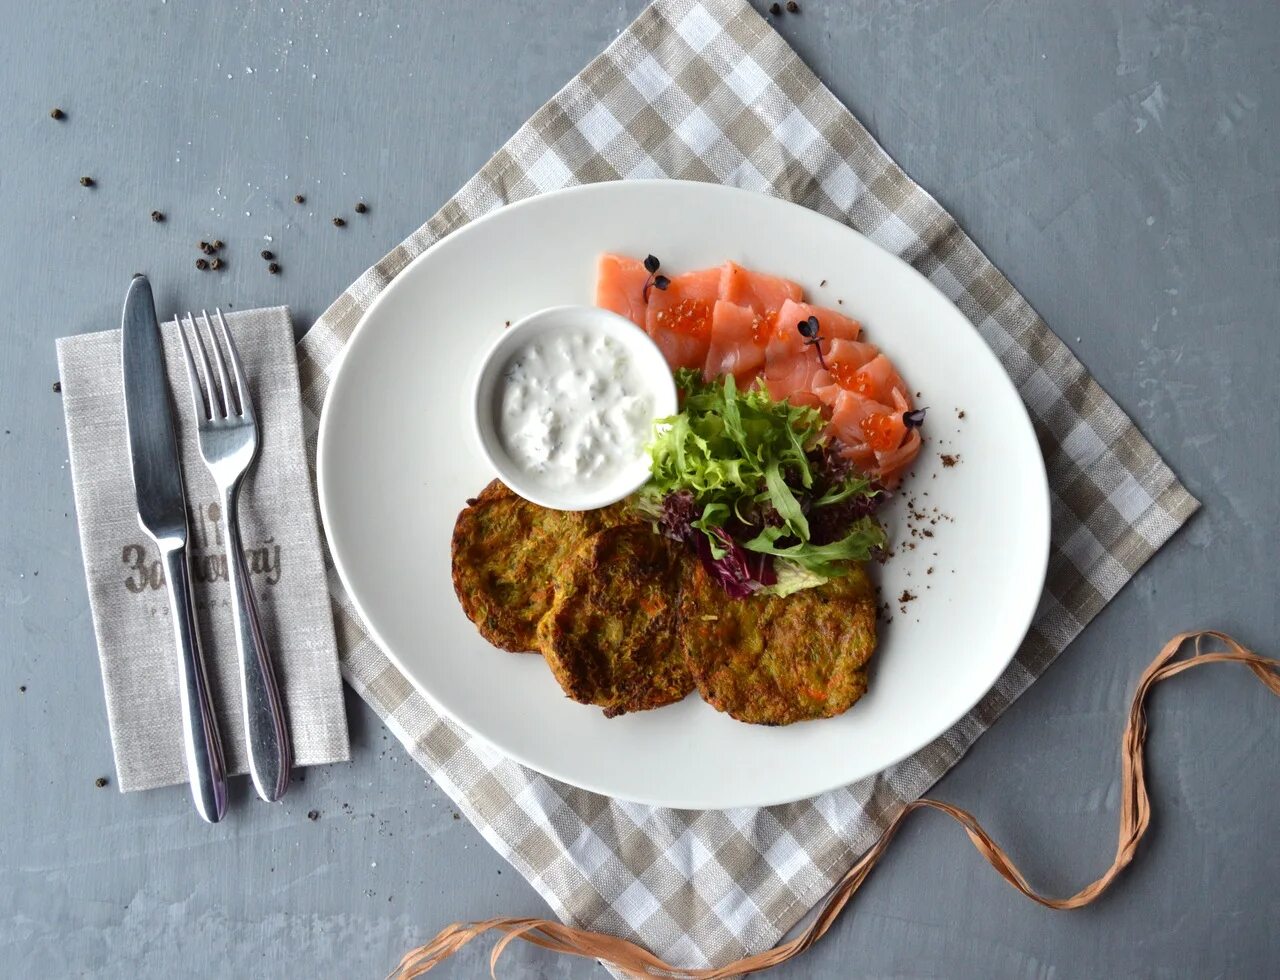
column 57, row 114
column 299, row 199
column 87, row 181
column 157, row 215
column 793, row 7
column 339, row 222
column 361, row 207
column 274, row 268
column 217, row 244
column 216, row 264
column 266, row 254
column 775, row 9
column 202, row 264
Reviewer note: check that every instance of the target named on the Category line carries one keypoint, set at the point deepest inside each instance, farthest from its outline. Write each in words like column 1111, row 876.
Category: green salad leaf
column 747, row 472
column 822, row 559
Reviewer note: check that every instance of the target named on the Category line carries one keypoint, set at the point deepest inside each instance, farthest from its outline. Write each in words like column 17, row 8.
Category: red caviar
column 852, row 379
column 689, row 316
column 881, row 432
column 763, row 327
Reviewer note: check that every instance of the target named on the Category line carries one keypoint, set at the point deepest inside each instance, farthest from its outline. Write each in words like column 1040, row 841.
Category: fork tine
column 242, row 385
column 197, row 390
column 211, row 390
column 224, row 382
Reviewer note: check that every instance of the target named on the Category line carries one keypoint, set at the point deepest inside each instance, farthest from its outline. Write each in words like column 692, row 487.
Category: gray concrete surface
column 1117, row 160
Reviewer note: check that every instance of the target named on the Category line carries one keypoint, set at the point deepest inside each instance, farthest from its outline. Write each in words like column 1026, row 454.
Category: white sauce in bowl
column 573, row 409
column 564, row 406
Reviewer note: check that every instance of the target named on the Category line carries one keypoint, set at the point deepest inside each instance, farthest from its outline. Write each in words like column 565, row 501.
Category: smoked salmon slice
column 844, row 360
column 678, row 318
column 875, row 434
column 879, row 380
column 620, row 286
column 785, row 342
column 732, row 320
column 793, row 377
column 733, row 348
column 686, row 304
column 760, row 292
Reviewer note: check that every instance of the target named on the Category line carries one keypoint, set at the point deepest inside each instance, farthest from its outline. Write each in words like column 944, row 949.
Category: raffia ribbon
column 635, row 961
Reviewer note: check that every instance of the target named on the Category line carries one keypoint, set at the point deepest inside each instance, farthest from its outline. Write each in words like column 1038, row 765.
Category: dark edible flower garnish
column 809, row 331
column 651, row 266
column 913, row 420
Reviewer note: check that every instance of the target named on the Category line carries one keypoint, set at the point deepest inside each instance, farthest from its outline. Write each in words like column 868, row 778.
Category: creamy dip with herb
column 573, row 410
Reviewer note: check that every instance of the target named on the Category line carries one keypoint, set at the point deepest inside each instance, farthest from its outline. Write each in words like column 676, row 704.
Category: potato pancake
column 505, row 550
column 773, row 661
column 611, row 637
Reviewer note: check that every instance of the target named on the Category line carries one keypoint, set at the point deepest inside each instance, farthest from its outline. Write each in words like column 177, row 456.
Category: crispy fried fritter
column 773, row 661
column 628, row 621
column 505, row 550
column 611, row 636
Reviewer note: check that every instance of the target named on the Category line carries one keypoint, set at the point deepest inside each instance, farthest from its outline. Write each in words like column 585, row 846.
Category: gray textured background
column 1117, row 160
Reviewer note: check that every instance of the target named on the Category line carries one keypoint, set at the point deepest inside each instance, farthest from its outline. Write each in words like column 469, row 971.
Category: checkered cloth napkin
column 708, row 91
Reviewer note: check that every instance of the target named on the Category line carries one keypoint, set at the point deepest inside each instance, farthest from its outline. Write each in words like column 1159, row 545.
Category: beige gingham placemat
column 708, row 91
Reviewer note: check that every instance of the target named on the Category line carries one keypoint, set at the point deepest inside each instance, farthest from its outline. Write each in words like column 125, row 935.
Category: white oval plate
column 398, row 459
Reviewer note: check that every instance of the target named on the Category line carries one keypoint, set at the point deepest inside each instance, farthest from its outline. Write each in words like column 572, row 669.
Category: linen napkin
column 706, row 90
column 122, row 565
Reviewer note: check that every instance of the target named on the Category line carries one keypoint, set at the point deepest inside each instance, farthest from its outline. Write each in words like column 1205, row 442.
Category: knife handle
column 266, row 733
column 205, row 767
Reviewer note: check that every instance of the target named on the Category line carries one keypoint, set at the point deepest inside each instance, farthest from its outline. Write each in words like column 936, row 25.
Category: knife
column 162, row 513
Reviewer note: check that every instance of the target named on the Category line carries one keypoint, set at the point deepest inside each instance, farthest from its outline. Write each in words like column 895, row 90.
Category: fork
column 228, row 436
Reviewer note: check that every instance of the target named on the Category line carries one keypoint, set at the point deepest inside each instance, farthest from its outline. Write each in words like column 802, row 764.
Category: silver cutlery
column 228, row 435
column 162, row 513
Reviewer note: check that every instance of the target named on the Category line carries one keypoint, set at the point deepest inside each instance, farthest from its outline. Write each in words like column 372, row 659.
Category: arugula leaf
column 864, row 537
column 784, row 501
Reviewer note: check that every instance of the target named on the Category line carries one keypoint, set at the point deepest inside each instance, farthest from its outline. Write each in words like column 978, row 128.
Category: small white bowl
column 649, row 364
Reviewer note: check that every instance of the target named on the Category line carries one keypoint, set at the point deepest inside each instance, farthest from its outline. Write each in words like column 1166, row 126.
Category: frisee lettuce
column 748, row 462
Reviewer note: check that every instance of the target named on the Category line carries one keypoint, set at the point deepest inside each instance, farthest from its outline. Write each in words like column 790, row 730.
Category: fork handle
column 201, row 743
column 266, row 732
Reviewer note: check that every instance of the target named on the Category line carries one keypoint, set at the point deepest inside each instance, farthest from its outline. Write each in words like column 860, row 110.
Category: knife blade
column 153, row 441
column 162, row 513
